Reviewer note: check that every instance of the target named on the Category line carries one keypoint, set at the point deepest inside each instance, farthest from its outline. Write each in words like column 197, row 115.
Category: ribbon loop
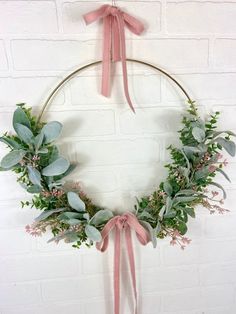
column 125, row 222
column 114, row 48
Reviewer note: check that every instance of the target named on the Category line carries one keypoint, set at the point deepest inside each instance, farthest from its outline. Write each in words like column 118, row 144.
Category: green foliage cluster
column 73, row 217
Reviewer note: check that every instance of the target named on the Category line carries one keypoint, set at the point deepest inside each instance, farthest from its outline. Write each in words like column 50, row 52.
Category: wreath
column 72, row 216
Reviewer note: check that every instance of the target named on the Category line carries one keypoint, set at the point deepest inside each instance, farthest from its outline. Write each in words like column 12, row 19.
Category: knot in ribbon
column 114, row 48
column 125, row 223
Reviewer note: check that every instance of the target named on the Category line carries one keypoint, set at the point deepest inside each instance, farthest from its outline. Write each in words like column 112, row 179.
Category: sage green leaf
column 93, row 233
column 75, row 201
column 86, row 216
column 73, row 222
column 216, row 133
column 185, row 199
column 151, row 231
column 54, row 155
column 12, row 158
column 170, row 214
column 101, row 217
column 182, row 227
column 186, row 192
column 198, row 134
column 220, row 187
column 202, row 173
column 68, row 171
column 51, row 131
column 69, row 215
column 48, row 213
column 43, row 150
column 169, row 203
column 57, row 167
column 68, row 236
column 20, row 117
column 24, row 133
column 34, row 176
column 191, row 150
column 161, row 213
column 229, row 146
column 10, row 142
column 38, row 141
column 190, row 211
column 168, row 188
column 34, row 189
column 223, row 173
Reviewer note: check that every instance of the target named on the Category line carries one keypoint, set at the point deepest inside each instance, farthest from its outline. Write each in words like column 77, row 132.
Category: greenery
column 71, row 215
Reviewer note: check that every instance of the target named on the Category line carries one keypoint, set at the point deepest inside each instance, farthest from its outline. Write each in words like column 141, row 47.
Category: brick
column 175, row 256
column 38, row 267
column 84, row 123
column 221, row 226
column 218, row 296
column 175, row 53
column 156, row 120
column 12, row 215
column 43, row 54
column 28, row 17
column 141, row 178
column 21, row 293
column 182, row 300
column 15, row 241
column 72, row 288
column 201, row 17
column 215, row 274
column 13, row 90
column 205, row 86
column 10, row 189
column 73, row 16
column 217, row 250
column 223, row 52
column 3, row 59
column 170, row 278
column 111, row 152
column 144, row 90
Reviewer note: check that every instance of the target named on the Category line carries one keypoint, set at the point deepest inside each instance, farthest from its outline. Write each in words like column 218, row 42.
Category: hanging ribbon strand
column 124, row 223
column 114, row 47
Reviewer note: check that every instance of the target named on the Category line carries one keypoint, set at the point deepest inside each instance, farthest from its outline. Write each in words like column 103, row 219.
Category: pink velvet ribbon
column 125, row 222
column 114, row 48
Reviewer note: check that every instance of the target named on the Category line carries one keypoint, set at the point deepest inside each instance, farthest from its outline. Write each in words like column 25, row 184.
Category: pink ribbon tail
column 125, row 222
column 114, row 47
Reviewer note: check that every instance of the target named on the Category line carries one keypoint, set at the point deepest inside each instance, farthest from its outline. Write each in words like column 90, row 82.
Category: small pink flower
column 219, row 156
column 214, row 193
column 173, row 242
column 225, row 162
column 212, row 168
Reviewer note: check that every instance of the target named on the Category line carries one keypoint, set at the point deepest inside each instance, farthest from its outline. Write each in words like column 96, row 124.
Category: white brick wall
column 120, row 155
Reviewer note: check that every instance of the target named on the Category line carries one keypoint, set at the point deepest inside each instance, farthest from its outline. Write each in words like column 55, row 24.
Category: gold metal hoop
column 74, row 73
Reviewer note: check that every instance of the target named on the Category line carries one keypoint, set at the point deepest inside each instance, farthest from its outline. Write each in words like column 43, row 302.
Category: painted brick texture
column 120, row 155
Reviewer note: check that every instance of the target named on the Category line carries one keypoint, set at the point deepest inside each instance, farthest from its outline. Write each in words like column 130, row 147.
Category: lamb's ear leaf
column 34, row 176
column 51, row 131
column 75, row 201
column 68, row 171
column 24, row 133
column 38, row 141
column 198, row 134
column 101, row 217
column 56, row 168
column 34, row 189
column 20, row 117
column 12, row 158
column 93, row 233
column 220, row 187
column 224, row 174
column 10, row 142
column 152, row 232
column 229, row 146
column 168, row 188
column 48, row 213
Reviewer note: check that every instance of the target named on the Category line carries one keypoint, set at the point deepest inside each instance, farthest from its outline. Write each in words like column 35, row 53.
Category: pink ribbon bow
column 114, row 22
column 125, row 222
